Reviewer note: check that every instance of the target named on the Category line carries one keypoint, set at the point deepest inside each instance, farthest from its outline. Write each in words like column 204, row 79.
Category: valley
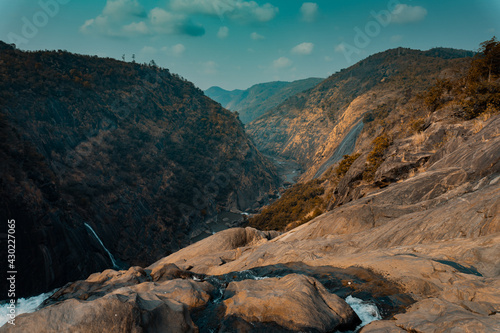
column 366, row 202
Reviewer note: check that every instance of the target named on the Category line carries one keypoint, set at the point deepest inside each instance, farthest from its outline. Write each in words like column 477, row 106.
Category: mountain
column 102, row 158
column 224, row 97
column 309, row 126
column 256, row 100
column 401, row 235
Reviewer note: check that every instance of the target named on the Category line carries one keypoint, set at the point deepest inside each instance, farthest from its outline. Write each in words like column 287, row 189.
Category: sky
column 235, row 44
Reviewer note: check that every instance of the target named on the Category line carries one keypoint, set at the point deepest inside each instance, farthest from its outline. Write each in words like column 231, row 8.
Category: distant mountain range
column 256, row 100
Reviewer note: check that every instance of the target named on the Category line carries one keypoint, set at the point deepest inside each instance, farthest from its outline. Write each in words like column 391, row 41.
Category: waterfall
column 104, row 247
column 366, row 311
column 23, row 305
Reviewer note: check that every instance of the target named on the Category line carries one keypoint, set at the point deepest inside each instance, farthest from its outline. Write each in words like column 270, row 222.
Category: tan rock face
column 294, row 302
column 435, row 315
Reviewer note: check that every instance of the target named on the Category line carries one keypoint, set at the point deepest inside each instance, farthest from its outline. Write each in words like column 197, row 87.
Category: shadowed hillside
column 136, row 152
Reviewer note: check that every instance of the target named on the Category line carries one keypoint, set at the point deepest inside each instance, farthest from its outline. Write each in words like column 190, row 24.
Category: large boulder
column 292, row 303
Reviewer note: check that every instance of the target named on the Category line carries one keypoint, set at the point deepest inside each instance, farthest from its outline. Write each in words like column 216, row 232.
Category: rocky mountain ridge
column 309, row 126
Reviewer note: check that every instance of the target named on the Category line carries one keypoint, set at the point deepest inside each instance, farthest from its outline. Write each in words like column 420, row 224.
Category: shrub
column 376, row 156
column 345, row 164
column 294, row 206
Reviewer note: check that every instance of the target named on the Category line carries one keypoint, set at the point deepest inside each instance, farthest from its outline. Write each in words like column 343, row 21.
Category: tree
column 486, row 66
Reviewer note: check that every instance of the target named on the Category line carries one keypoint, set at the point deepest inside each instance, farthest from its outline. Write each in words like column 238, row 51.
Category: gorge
column 393, row 226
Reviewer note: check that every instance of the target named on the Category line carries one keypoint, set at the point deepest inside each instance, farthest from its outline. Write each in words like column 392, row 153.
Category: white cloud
column 148, row 51
column 396, row 38
column 242, row 11
column 282, row 62
column 340, row 48
column 118, row 18
column 303, row 49
column 136, row 28
column 165, row 22
column 123, row 9
column 210, row 67
column 176, row 50
column 328, row 59
column 309, row 11
column 100, row 25
column 256, row 36
column 223, row 32
column 408, row 14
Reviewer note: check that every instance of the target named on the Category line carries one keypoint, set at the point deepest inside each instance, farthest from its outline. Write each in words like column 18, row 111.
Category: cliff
column 309, row 126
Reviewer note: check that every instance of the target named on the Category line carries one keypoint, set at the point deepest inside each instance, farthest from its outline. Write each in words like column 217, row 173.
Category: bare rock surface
column 435, row 315
column 425, row 250
column 294, row 302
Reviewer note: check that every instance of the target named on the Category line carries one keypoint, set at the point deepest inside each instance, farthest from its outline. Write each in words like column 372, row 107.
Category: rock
column 223, row 243
column 121, row 311
column 116, row 302
column 293, row 303
column 99, row 284
column 435, row 315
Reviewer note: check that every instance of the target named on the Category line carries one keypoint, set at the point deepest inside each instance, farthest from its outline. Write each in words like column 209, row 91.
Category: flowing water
column 23, row 305
column 113, row 261
column 366, row 311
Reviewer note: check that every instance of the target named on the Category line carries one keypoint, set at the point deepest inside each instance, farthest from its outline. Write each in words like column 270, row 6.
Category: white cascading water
column 104, row 247
column 23, row 305
column 366, row 311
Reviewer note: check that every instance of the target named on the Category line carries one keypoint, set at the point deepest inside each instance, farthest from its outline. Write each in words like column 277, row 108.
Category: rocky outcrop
column 128, row 301
column 436, row 234
column 435, row 315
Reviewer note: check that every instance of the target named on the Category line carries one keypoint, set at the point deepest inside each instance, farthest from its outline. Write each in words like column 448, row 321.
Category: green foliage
column 434, row 98
column 345, row 164
column 476, row 92
column 482, row 90
column 376, row 156
column 299, row 204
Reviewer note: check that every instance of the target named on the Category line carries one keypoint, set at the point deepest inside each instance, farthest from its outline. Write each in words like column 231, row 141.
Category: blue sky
column 238, row 43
